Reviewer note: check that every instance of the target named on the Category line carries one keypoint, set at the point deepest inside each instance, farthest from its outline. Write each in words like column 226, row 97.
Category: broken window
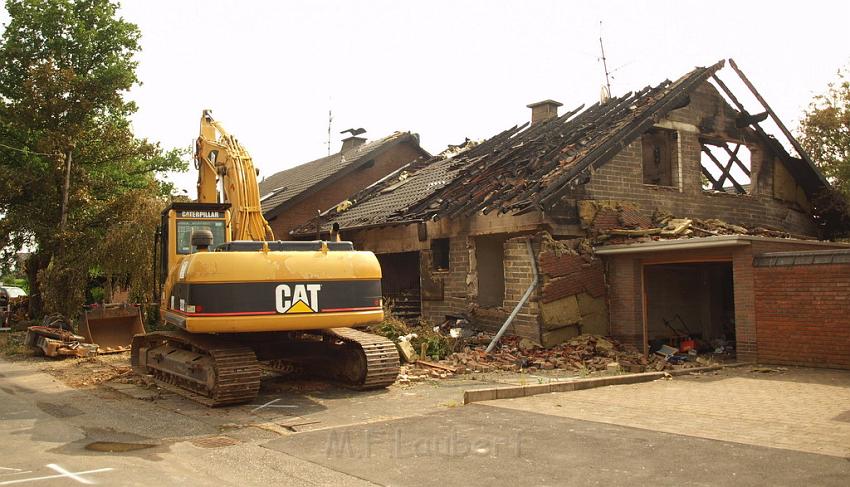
column 440, row 254
column 726, row 166
column 490, row 264
column 659, row 157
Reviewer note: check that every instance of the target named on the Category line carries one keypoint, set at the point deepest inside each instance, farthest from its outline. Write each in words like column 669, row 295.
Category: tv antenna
column 604, row 62
column 330, row 123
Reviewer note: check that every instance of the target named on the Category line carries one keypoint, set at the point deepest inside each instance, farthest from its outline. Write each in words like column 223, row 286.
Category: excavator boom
column 221, row 159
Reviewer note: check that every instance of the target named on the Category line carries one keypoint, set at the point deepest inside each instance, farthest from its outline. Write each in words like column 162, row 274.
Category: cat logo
column 297, row 298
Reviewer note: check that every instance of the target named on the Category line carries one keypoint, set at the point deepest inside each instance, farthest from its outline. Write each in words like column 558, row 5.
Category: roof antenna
column 330, row 122
column 606, row 91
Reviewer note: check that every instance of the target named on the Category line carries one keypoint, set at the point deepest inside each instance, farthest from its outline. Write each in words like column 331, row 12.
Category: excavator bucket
column 112, row 326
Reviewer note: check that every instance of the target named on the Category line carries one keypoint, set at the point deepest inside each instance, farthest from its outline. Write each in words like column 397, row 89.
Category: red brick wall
column 803, row 314
column 303, row 211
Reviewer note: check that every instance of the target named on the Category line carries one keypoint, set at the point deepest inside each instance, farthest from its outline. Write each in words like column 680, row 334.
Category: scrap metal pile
column 105, row 329
column 57, row 342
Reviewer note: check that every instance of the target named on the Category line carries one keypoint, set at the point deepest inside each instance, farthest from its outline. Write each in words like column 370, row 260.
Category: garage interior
column 400, row 283
column 689, row 306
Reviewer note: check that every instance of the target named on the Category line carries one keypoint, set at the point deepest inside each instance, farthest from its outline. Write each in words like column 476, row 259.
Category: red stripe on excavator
column 334, row 310
column 249, row 313
column 252, row 313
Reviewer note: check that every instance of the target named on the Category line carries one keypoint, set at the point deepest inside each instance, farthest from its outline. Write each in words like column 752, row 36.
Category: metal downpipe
column 521, row 302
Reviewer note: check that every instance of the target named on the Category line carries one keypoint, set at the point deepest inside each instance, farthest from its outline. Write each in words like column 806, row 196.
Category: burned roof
column 525, row 168
column 286, row 186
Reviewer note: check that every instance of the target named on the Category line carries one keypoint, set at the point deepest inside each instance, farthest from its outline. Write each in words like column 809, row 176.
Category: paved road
column 484, row 445
column 45, row 428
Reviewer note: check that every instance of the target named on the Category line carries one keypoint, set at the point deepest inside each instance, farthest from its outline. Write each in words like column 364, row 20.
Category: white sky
column 448, row 69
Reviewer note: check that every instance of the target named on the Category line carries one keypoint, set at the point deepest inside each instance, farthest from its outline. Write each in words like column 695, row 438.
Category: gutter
column 521, row 302
column 735, row 241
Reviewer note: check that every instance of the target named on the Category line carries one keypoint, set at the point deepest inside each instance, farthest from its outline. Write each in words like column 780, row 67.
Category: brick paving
column 798, row 409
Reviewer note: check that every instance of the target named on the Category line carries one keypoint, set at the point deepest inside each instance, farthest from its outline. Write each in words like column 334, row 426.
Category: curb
column 510, row 392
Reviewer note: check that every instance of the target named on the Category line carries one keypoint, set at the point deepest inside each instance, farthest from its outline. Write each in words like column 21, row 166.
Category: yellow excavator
column 243, row 302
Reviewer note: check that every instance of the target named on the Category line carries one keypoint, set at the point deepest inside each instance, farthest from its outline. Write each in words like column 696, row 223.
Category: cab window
column 184, row 233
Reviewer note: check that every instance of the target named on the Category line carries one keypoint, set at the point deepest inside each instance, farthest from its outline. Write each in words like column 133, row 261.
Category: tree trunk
column 36, row 262
column 66, row 188
column 107, row 289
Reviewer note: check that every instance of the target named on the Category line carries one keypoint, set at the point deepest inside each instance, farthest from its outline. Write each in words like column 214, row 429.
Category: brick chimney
column 544, row 110
column 352, row 141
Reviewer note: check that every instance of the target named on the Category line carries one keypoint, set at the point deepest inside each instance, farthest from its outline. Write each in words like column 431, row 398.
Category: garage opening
column 490, row 261
column 690, row 306
column 400, row 284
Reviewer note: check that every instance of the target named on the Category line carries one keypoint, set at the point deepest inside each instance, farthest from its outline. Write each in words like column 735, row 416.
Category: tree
column 825, row 132
column 69, row 158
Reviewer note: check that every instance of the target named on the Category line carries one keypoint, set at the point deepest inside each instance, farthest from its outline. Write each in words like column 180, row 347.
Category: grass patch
column 12, row 345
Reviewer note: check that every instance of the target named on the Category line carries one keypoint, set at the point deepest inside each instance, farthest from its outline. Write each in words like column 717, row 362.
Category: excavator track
column 207, row 369
column 378, row 354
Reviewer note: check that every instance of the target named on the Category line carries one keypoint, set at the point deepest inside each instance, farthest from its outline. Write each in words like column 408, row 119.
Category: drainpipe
column 522, row 301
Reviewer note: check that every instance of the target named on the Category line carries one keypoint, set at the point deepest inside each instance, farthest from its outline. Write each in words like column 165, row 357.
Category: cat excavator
column 240, row 302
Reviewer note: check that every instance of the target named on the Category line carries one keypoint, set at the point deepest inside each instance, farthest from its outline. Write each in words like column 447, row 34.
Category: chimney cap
column 545, row 102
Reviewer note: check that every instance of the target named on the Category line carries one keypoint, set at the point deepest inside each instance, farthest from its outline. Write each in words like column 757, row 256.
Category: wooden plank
column 733, row 156
column 709, row 177
column 726, row 174
column 437, row 366
column 737, row 186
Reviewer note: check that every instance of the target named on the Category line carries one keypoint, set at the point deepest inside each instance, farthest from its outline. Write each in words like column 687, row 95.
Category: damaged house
column 643, row 217
column 293, row 196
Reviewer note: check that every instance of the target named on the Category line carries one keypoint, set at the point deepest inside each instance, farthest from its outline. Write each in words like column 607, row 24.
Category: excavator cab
column 179, row 220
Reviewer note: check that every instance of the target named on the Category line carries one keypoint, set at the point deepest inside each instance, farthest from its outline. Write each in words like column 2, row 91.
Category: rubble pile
column 584, row 354
column 625, row 230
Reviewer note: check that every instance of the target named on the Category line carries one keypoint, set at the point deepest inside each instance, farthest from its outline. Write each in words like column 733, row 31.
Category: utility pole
column 604, row 61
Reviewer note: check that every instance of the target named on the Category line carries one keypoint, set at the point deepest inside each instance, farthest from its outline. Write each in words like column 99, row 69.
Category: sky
column 271, row 70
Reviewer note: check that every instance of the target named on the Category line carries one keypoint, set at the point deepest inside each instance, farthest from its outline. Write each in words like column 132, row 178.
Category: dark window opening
column 400, row 284
column 726, row 167
column 490, row 264
column 659, row 157
column 440, row 254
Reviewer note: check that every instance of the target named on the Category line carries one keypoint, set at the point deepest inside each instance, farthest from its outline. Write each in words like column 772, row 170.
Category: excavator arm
column 220, row 158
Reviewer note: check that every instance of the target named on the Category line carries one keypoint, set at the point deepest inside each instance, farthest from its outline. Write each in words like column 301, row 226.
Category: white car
column 14, row 291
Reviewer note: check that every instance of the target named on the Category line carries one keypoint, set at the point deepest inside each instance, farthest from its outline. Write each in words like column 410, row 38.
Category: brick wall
column 802, row 314
column 454, row 285
column 621, row 179
column 322, row 199
column 625, row 306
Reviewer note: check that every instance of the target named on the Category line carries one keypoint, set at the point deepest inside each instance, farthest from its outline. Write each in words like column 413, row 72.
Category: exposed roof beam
column 802, row 152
